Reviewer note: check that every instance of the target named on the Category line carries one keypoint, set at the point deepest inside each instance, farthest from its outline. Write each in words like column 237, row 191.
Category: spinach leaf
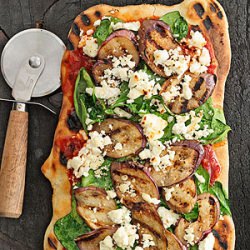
column 123, row 96
column 70, row 227
column 87, row 106
column 105, row 29
column 193, row 215
column 177, row 23
column 219, row 192
column 104, row 181
column 195, row 247
column 202, row 187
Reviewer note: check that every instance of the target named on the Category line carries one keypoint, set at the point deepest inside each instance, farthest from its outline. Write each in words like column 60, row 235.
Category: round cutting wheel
column 25, row 45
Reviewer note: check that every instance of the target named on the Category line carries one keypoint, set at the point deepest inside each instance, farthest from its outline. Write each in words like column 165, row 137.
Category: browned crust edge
column 217, row 31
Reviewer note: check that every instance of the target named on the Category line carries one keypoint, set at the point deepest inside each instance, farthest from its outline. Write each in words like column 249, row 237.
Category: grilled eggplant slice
column 93, row 206
column 173, row 242
column 202, row 87
column 99, row 68
column 183, row 197
column 188, row 156
column 149, row 222
column 128, row 135
column 155, row 35
column 91, row 240
column 120, row 43
column 131, row 181
column 209, row 212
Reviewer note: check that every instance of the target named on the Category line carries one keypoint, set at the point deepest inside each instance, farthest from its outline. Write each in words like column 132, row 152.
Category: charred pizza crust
column 211, row 19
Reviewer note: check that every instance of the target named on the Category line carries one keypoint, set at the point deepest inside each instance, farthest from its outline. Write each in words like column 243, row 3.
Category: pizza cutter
column 30, row 64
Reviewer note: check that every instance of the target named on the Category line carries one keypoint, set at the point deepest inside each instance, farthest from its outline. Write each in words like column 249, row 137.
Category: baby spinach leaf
column 177, row 24
column 193, row 215
column 195, row 247
column 70, row 227
column 202, row 187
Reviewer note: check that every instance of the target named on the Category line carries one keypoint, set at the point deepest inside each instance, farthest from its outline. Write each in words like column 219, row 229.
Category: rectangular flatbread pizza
column 140, row 153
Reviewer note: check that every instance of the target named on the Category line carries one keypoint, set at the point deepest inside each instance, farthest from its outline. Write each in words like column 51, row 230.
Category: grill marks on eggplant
column 183, row 197
column 98, row 69
column 154, row 35
column 202, row 87
column 125, row 132
column 91, row 240
column 209, row 213
column 173, row 242
column 140, row 182
column 188, row 155
column 147, row 217
column 93, row 206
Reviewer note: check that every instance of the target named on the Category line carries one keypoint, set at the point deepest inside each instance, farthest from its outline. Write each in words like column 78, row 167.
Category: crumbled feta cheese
column 205, row 58
column 127, row 188
column 138, row 248
column 140, row 84
column 118, row 146
column 168, row 217
column 122, row 113
column 91, row 155
column 160, row 56
column 197, row 40
column 147, row 240
column 97, row 22
column 169, row 95
column 153, row 126
column 106, row 92
column 111, row 194
column 186, row 90
column 196, row 67
column 189, row 235
column 135, row 26
column 207, row 243
column 168, row 193
column 200, row 178
column 91, row 47
column 120, row 216
column 90, row 32
column 107, row 244
column 149, row 199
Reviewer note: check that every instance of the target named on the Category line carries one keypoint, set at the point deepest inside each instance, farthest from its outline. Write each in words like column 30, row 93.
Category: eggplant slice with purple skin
column 173, row 242
column 127, row 133
column 202, row 87
column 98, row 69
column 120, row 43
column 91, row 240
column 93, row 206
column 149, row 222
column 155, row 35
column 188, row 156
column 183, row 197
column 130, row 181
column 209, row 213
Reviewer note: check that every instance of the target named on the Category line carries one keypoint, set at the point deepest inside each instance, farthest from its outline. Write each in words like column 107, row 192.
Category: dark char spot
column 63, row 159
column 69, row 45
column 73, row 122
column 75, row 29
column 212, row 7
column 211, row 201
column 85, row 20
column 220, row 15
column 98, row 13
column 51, row 243
column 198, row 84
column 208, row 23
column 199, row 9
column 221, row 242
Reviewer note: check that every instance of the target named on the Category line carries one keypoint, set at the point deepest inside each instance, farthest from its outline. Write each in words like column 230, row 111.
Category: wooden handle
column 13, row 167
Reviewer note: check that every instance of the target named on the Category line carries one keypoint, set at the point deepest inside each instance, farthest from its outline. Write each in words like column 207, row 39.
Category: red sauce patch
column 211, row 163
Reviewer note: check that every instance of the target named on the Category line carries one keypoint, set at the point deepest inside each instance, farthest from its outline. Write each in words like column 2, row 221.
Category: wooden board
column 27, row 232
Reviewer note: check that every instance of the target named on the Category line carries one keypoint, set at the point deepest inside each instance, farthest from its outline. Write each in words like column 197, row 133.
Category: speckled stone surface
column 27, row 232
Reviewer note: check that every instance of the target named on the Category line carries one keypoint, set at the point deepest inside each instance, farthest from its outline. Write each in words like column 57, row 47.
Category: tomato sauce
column 211, row 163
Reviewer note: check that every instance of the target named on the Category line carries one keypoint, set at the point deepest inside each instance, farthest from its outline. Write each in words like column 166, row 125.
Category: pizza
column 140, row 153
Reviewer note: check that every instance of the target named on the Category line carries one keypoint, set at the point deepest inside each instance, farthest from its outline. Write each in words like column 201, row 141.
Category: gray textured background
column 15, row 15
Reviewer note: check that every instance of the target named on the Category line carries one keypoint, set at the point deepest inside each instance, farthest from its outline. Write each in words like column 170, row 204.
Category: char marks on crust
column 199, row 9
column 208, row 23
column 75, row 29
column 85, row 19
column 69, row 45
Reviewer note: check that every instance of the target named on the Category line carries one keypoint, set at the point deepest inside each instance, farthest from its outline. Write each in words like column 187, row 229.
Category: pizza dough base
column 215, row 19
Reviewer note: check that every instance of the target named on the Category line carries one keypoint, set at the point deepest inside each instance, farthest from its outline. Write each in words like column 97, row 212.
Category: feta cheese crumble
column 207, row 243
column 91, row 47
column 149, row 199
column 91, row 156
column 168, row 217
column 107, row 244
column 134, row 26
column 168, row 193
column 147, row 240
column 197, row 40
column 189, row 235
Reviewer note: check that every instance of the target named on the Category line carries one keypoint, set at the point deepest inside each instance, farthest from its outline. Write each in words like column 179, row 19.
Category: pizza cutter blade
column 30, row 64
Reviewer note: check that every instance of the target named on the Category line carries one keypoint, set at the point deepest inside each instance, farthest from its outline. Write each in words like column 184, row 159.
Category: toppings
column 127, row 26
column 93, row 206
column 183, row 196
column 187, row 158
column 119, row 43
column 197, row 40
column 173, row 242
column 154, row 35
column 133, row 184
column 168, row 217
column 126, row 134
column 207, row 243
column 190, row 233
column 188, row 92
column 96, row 240
column 91, row 47
column 150, row 223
